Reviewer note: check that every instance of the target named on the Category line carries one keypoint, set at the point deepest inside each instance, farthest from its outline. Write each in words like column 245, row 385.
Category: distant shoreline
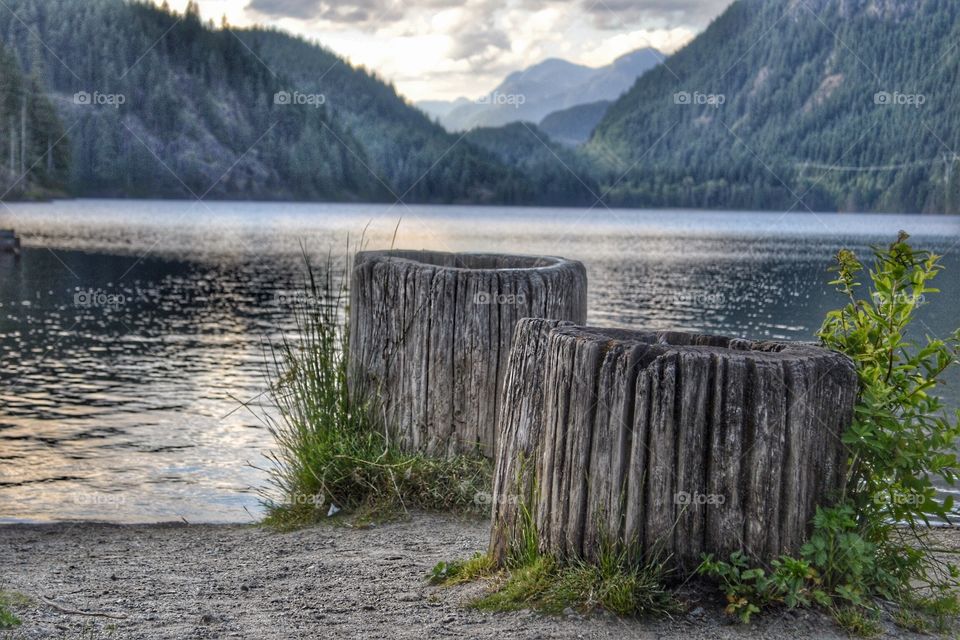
column 479, row 205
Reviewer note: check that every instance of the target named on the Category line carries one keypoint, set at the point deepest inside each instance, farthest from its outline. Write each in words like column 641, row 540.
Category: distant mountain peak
column 550, row 85
column 550, row 63
column 638, row 54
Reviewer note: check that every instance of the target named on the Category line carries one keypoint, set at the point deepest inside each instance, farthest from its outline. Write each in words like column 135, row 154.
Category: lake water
column 131, row 331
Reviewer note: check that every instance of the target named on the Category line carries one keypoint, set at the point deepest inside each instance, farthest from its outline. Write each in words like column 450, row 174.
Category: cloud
column 623, row 14
column 373, row 12
column 605, row 14
column 664, row 40
column 445, row 48
column 476, row 43
column 472, row 39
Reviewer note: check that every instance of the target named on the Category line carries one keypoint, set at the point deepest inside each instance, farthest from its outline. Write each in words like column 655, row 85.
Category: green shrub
column 748, row 589
column 870, row 546
column 902, row 438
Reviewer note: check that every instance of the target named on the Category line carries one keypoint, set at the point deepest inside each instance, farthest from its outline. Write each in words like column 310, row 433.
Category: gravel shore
column 231, row 581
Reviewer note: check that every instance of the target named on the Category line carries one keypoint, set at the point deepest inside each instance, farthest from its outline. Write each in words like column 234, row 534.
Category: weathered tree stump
column 672, row 444
column 519, row 428
column 430, row 335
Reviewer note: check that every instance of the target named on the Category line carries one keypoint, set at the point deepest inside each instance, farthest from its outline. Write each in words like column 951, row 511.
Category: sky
column 444, row 49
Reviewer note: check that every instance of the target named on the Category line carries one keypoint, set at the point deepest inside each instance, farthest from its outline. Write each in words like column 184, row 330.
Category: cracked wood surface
column 677, row 443
column 430, row 335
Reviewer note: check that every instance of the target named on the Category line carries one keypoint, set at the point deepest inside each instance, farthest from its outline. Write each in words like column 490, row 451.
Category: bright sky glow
column 443, row 49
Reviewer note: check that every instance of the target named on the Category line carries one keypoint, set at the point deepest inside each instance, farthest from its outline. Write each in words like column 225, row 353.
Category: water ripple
column 130, row 330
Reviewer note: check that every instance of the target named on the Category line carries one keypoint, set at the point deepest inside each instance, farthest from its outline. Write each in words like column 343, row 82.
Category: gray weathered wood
column 670, row 443
column 430, row 335
column 519, row 426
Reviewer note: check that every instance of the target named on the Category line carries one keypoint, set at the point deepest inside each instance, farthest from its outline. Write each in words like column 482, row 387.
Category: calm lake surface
column 131, row 331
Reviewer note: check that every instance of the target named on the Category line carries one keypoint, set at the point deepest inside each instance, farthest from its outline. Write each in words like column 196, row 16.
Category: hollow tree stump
column 672, row 444
column 430, row 335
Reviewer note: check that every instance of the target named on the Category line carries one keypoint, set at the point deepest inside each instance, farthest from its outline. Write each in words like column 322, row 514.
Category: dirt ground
column 215, row 581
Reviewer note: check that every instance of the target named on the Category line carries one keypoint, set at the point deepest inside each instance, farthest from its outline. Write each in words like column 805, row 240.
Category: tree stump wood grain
column 430, row 335
column 519, row 428
column 673, row 444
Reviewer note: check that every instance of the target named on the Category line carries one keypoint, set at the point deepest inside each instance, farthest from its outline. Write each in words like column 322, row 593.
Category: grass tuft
column 616, row 582
column 8, row 599
column 7, row 618
column 331, row 454
column 479, row 566
column 857, row 621
column 551, row 586
column 524, row 588
column 929, row 615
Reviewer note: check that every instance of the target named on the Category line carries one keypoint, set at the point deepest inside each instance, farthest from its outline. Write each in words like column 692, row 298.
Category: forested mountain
column 778, row 104
column 845, row 104
column 160, row 105
column 575, row 125
column 531, row 94
column 32, row 163
column 564, row 177
column 438, row 109
column 417, row 158
column 163, row 105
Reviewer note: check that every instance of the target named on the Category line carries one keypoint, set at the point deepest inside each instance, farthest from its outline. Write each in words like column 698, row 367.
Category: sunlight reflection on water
column 131, row 330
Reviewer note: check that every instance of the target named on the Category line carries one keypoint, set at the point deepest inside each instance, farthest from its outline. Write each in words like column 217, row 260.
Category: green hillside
column 165, row 105
column 416, row 157
column 32, row 163
column 161, row 105
column 780, row 104
column 562, row 177
column 575, row 125
column 820, row 104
